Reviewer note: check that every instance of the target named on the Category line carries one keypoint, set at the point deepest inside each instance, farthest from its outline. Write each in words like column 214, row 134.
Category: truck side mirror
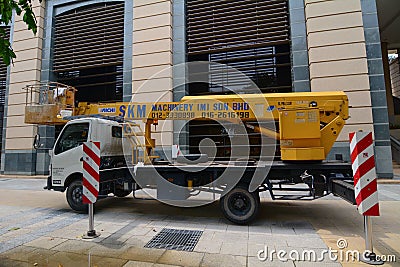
column 36, row 142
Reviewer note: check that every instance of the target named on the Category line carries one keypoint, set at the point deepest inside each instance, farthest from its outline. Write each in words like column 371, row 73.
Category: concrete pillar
column 338, row 62
column 152, row 61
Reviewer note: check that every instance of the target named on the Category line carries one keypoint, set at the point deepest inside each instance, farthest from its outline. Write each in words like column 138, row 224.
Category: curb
column 388, row 181
column 5, row 176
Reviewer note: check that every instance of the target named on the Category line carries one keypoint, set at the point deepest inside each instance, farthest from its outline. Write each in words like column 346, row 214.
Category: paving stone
column 262, row 229
column 79, row 225
column 216, row 227
column 138, row 264
column 146, row 264
column 15, row 233
column 109, row 227
column 74, row 246
column 237, row 228
column 138, row 241
column 165, row 265
column 181, row 258
column 207, row 235
column 46, row 242
column 14, row 263
column 306, row 242
column 138, row 230
column 317, row 264
column 19, row 253
column 276, row 241
column 115, row 239
column 303, row 232
column 231, row 237
column 111, row 250
column 69, row 234
column 154, row 231
column 255, row 262
column 236, row 249
column 68, row 259
column 106, row 261
column 218, row 260
column 254, row 248
column 260, row 238
column 40, row 256
column 185, row 226
column 297, row 225
column 208, row 246
column 142, row 254
column 162, row 224
column 282, row 230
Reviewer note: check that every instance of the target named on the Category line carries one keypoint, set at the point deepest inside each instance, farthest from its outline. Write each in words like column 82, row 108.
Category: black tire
column 74, row 196
column 239, row 205
column 121, row 193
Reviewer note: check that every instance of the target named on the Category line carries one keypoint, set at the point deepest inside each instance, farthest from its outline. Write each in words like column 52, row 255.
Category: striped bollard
column 91, row 181
column 365, row 187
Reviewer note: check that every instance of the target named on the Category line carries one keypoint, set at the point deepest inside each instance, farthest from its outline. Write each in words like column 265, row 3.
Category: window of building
column 251, row 36
column 88, row 51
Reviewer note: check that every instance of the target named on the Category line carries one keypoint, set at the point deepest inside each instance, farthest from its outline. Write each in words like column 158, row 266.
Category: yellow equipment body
column 309, row 122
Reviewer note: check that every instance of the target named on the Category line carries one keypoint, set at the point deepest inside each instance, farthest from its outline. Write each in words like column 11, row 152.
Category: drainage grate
column 175, row 239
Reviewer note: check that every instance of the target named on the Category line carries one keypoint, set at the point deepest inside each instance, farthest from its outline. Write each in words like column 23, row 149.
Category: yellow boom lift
column 309, row 123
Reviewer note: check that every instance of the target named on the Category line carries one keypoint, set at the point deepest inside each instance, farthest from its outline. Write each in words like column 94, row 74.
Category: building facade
column 395, row 77
column 109, row 49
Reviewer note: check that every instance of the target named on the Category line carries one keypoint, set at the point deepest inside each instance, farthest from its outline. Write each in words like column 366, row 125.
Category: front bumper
column 49, row 186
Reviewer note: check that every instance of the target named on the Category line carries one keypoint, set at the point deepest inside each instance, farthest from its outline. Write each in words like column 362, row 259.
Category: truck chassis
column 240, row 203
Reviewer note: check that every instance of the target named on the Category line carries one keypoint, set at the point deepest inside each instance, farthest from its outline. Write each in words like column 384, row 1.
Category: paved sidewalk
column 38, row 229
column 57, row 239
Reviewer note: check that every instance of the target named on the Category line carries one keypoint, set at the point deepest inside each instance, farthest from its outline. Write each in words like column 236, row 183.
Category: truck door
column 66, row 158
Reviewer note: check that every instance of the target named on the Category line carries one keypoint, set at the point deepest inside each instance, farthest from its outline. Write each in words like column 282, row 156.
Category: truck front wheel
column 74, row 196
column 239, row 205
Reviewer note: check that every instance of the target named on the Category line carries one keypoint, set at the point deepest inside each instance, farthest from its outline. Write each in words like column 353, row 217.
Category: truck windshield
column 72, row 136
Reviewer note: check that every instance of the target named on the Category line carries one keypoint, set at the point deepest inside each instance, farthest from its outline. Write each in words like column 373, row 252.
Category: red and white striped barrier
column 364, row 173
column 91, row 176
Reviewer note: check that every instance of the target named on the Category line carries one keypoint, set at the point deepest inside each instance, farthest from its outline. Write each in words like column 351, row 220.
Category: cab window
column 116, row 131
column 72, row 136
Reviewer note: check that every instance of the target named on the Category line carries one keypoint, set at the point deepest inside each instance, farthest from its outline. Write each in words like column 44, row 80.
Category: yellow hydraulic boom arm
column 309, row 123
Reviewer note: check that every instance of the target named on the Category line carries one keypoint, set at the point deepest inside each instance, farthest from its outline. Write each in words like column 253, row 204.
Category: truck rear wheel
column 74, row 196
column 239, row 205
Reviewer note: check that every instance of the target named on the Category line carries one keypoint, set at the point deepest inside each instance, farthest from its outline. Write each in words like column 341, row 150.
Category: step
column 134, row 134
column 149, row 157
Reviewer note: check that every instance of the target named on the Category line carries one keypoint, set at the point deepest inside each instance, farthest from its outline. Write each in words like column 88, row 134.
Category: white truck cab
column 67, row 155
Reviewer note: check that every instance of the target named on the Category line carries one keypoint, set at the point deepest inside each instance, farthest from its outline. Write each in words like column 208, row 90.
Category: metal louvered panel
column 3, row 78
column 251, row 36
column 216, row 26
column 89, row 37
column 3, row 84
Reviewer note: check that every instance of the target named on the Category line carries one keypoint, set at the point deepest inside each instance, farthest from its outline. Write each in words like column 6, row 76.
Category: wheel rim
column 239, row 204
column 77, row 195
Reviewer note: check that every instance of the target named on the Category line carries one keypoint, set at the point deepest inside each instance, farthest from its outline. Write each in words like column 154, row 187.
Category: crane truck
column 306, row 125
